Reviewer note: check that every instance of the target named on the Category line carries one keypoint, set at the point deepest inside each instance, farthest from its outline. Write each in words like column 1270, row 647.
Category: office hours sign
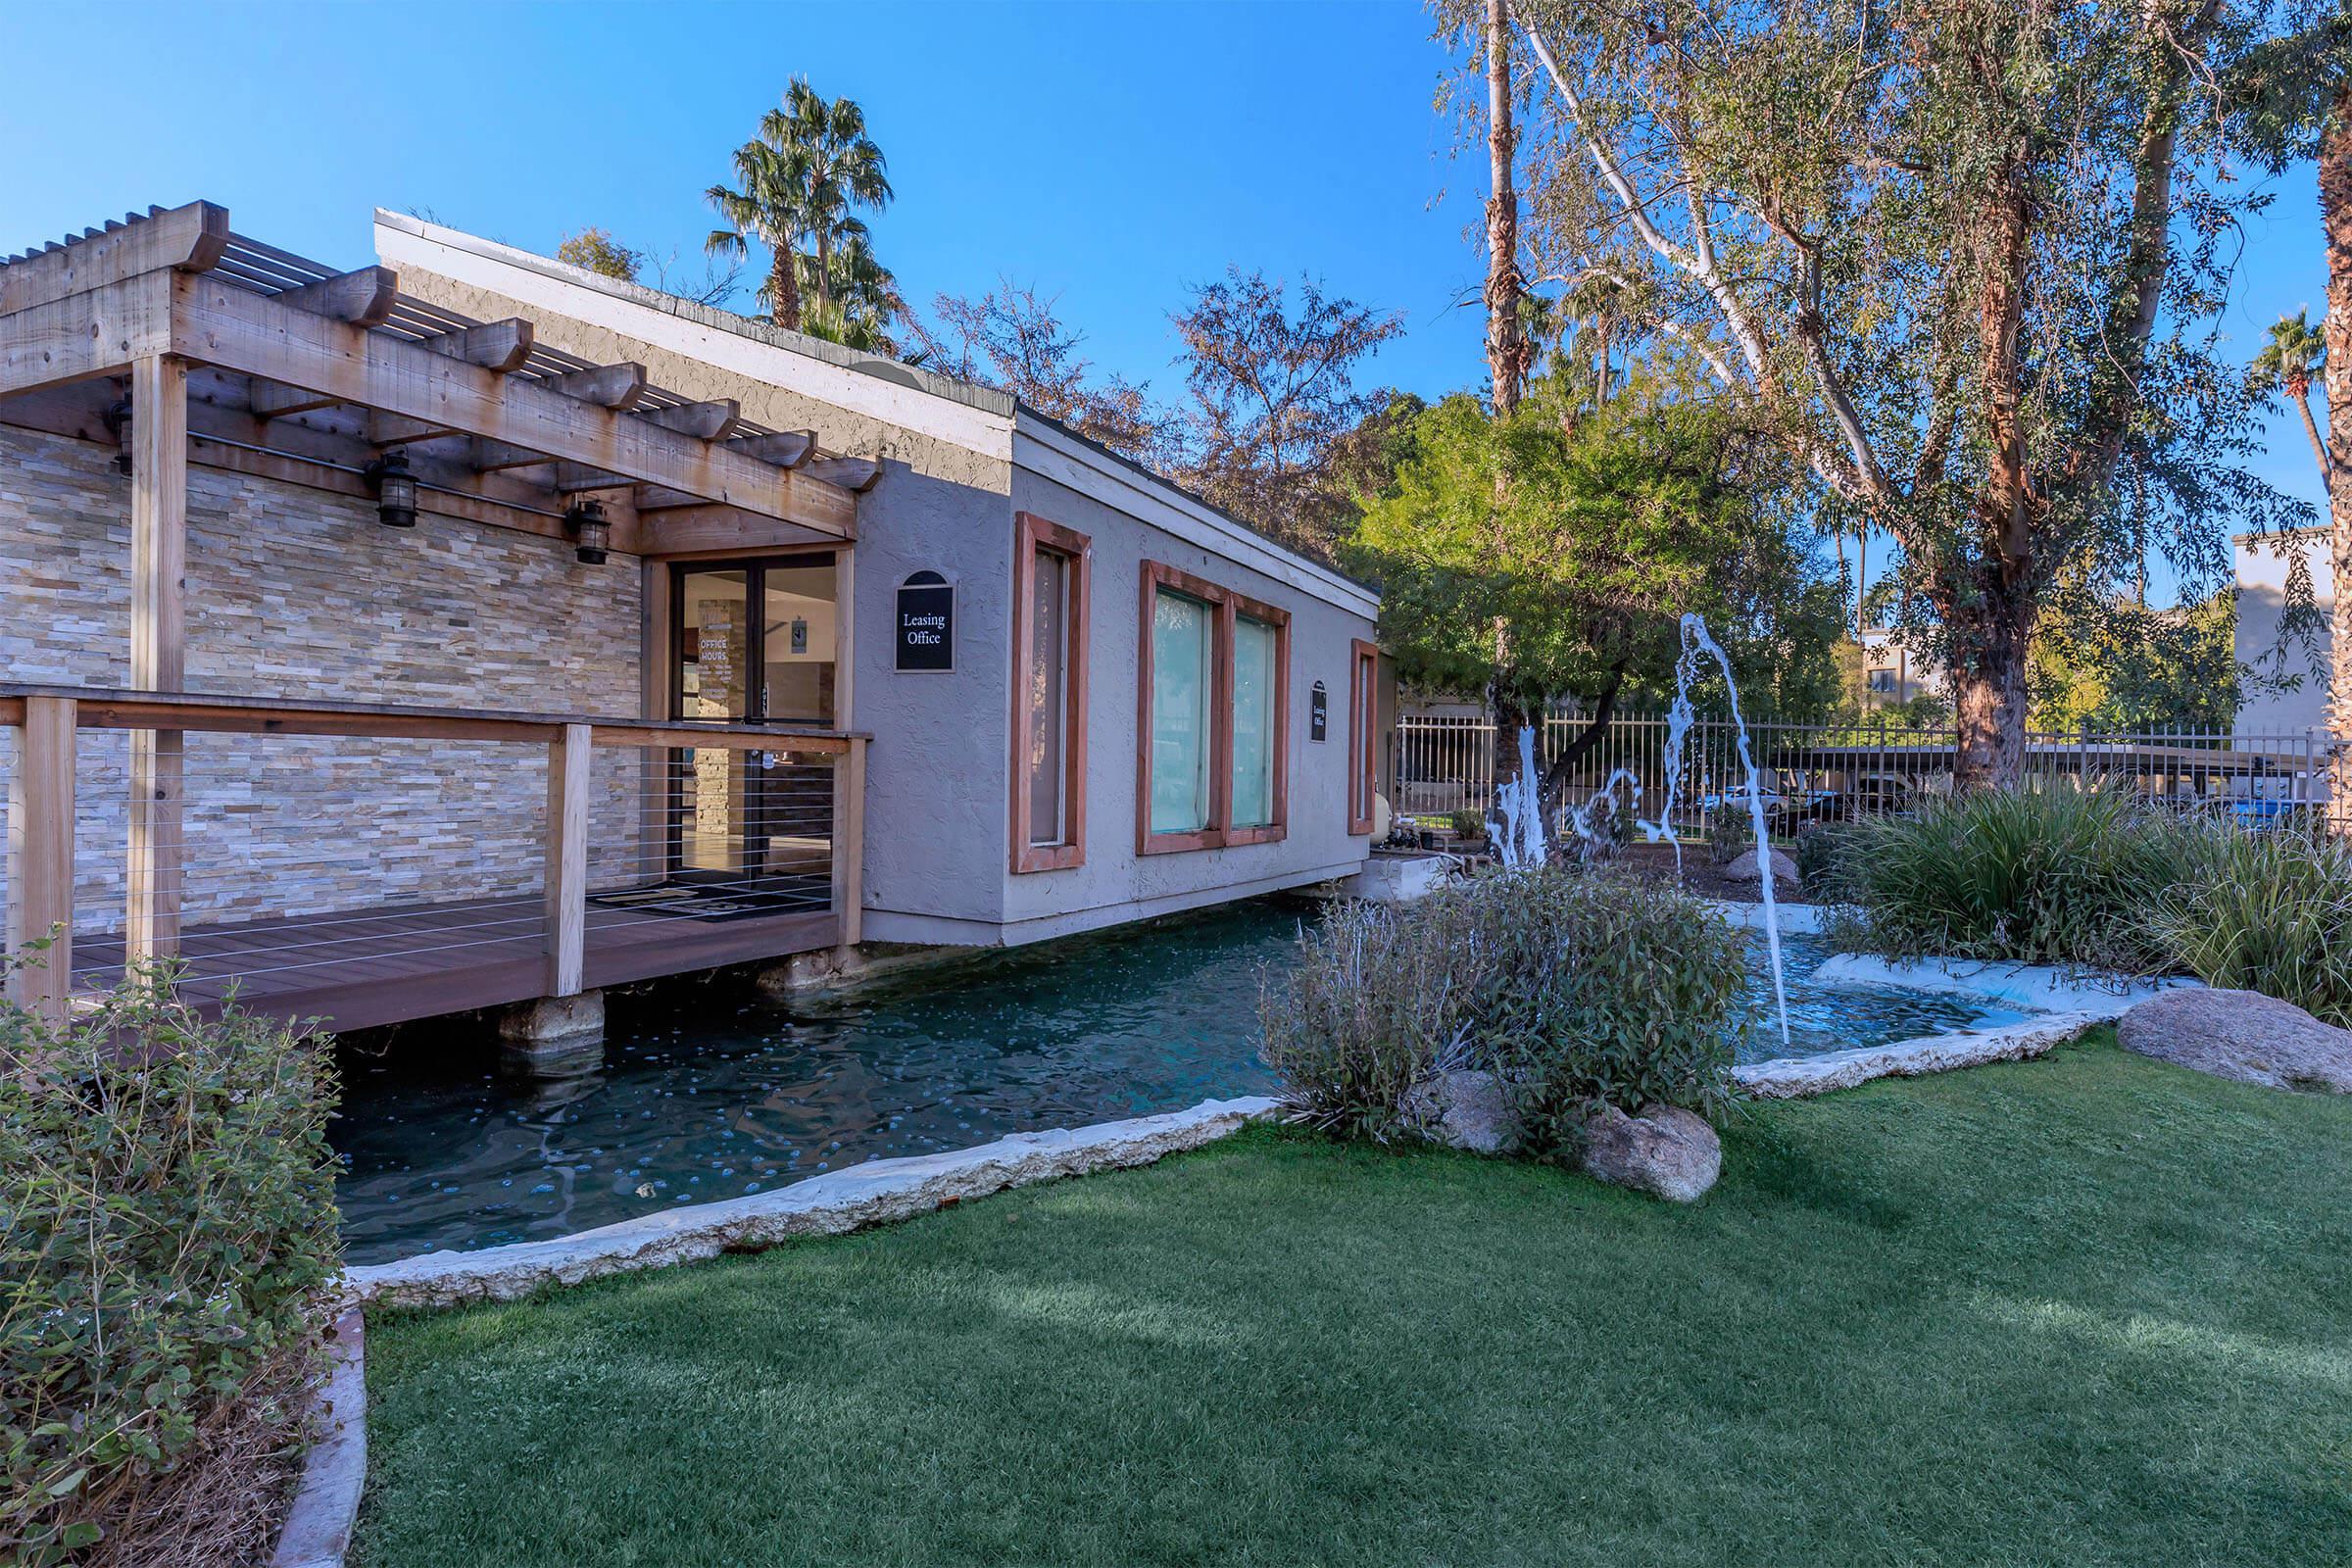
column 926, row 635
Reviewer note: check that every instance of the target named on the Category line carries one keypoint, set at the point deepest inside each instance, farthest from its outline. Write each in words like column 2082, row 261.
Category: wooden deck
column 357, row 970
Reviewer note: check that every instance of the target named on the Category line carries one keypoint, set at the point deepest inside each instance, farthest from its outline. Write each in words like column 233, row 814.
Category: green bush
column 1576, row 988
column 1731, row 833
column 2055, row 875
column 1468, row 824
column 1820, row 849
column 167, row 1243
column 2269, row 912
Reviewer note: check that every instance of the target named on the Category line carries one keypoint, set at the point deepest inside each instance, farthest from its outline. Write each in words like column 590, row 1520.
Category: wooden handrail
column 102, row 707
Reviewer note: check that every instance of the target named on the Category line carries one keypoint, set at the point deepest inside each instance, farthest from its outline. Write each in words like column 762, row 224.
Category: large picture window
column 1051, row 570
column 1213, row 720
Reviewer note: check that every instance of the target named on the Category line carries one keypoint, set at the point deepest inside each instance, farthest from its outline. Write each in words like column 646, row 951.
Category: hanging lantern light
column 592, row 532
column 395, row 489
column 117, row 424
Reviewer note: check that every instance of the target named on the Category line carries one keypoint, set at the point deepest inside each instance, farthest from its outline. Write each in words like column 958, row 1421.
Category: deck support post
column 40, row 857
column 566, row 860
column 848, row 844
column 159, row 569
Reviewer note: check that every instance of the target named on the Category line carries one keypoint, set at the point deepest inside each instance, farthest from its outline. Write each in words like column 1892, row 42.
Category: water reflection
column 706, row 1095
column 712, row 1099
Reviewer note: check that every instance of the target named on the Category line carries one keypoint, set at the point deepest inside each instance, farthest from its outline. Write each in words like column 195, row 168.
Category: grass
column 2087, row 1311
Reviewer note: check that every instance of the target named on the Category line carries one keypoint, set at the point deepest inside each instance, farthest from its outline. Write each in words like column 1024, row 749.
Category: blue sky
column 1106, row 153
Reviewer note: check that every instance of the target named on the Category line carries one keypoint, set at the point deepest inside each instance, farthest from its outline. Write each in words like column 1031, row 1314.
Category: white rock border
column 317, row 1530
column 875, row 1193
column 2066, row 1001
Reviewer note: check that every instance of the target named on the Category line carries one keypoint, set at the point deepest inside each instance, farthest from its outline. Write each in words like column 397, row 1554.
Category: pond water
column 705, row 1095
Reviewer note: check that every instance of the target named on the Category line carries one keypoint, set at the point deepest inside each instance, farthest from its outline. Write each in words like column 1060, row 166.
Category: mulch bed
column 1700, row 874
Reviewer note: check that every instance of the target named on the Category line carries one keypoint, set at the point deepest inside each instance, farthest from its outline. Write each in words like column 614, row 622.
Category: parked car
column 1872, row 795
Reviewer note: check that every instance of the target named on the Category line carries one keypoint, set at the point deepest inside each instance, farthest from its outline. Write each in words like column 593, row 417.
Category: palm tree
column 2288, row 362
column 797, row 184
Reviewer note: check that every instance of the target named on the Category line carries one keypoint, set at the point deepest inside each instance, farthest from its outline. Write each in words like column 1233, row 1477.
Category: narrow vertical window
column 1363, row 726
column 1050, row 569
column 1183, row 689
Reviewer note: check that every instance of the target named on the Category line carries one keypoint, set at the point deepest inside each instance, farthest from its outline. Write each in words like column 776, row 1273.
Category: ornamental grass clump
column 2269, row 912
column 2056, row 876
column 1578, row 989
column 166, row 1252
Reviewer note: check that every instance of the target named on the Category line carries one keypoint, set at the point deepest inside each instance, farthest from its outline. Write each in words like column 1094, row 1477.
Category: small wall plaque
column 926, row 635
column 1318, row 714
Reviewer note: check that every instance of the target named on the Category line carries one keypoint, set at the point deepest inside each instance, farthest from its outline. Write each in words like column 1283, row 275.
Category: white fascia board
column 1054, row 455
column 525, row 280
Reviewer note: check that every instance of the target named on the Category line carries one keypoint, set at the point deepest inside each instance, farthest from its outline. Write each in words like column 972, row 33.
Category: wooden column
column 159, row 555
column 40, row 855
column 849, row 841
column 567, row 861
column 845, row 636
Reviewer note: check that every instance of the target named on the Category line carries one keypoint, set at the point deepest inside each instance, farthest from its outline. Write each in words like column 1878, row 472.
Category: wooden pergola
column 184, row 342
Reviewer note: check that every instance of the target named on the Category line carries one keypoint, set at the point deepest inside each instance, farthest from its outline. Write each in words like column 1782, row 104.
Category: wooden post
column 657, row 768
column 567, row 861
column 40, row 855
column 845, row 636
column 159, row 553
column 849, row 841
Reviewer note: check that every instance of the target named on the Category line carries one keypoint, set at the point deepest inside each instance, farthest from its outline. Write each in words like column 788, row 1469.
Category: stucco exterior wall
column 2263, row 566
column 295, row 593
column 1115, row 883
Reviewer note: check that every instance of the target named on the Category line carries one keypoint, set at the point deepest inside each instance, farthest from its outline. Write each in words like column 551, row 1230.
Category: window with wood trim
column 1212, row 720
column 1363, row 731
column 1051, row 568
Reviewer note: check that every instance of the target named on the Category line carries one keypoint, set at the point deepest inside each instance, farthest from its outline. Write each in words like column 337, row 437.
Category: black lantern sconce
column 395, row 489
column 117, row 426
column 592, row 532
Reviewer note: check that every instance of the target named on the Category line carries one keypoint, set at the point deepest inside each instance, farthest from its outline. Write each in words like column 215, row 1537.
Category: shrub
column 1731, row 833
column 2035, row 876
column 1468, row 824
column 1578, row 989
column 2269, row 912
column 167, row 1242
column 1819, row 850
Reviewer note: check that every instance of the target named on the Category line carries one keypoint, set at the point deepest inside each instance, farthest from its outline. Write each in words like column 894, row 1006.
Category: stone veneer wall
column 298, row 594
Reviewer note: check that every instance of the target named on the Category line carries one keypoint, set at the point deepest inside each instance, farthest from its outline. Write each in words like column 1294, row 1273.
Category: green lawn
column 2085, row 1310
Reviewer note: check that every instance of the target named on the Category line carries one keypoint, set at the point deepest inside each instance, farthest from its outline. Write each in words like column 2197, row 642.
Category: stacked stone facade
column 297, row 594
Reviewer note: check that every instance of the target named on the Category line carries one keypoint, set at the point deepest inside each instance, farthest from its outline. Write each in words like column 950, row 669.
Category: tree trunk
column 1507, row 351
column 1990, row 639
column 1556, row 777
column 1509, row 719
column 2301, row 393
column 784, row 285
column 2336, row 223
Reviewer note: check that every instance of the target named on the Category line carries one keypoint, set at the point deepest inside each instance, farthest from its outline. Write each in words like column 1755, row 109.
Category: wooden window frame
column 1032, row 534
column 1363, row 731
column 1228, row 608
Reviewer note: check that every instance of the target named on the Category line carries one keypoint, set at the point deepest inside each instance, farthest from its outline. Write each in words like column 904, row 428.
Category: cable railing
column 371, row 863
column 2263, row 780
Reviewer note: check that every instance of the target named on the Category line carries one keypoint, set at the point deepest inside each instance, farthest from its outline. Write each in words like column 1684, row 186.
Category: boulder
column 1745, row 870
column 2242, row 1035
column 1463, row 1109
column 1661, row 1150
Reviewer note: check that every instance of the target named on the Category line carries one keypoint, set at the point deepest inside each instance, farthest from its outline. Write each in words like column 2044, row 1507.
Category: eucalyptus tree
column 1965, row 258
column 798, row 184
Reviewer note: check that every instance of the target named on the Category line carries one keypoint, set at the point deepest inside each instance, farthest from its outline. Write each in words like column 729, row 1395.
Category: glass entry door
column 752, row 642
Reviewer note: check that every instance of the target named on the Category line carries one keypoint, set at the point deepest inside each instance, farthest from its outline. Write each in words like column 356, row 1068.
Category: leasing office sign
column 926, row 636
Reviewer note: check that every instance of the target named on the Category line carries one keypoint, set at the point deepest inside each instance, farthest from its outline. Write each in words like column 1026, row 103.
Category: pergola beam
column 786, row 449
column 185, row 239
column 216, row 324
column 83, row 335
column 363, row 298
column 611, row 386
column 706, row 422
column 853, row 475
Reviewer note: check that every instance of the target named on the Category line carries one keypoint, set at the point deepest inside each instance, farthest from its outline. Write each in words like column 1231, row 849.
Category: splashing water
column 1521, row 804
column 1697, row 641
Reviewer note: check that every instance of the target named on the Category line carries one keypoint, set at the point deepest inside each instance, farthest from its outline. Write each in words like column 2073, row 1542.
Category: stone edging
column 875, row 1193
column 1794, row 1077
column 316, row 1531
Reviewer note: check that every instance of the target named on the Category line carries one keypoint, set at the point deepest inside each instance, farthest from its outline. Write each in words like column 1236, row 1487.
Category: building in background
column 2287, row 687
